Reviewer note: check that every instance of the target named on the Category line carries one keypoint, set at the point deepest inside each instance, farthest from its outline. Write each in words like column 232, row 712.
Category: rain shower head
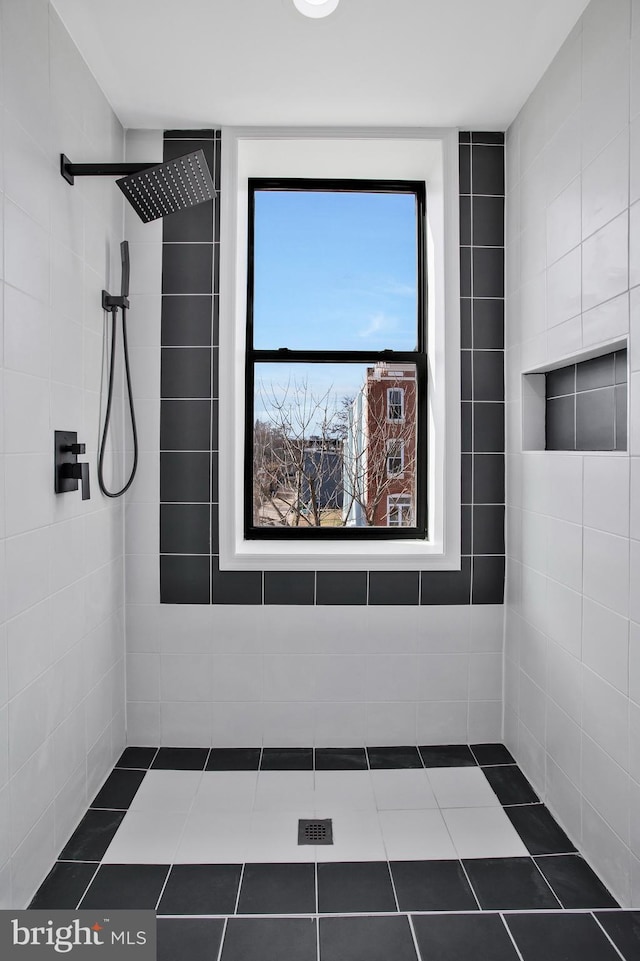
column 154, row 190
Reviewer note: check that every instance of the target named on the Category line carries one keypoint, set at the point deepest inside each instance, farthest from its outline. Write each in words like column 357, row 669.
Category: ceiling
column 199, row 63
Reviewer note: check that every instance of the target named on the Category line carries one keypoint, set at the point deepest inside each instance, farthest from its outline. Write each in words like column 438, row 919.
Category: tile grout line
column 414, row 936
column 93, row 877
column 547, row 882
column 510, row 935
column 222, row 939
column 473, row 890
column 607, row 936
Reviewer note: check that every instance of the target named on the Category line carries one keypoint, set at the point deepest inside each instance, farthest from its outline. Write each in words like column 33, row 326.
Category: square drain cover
column 315, row 832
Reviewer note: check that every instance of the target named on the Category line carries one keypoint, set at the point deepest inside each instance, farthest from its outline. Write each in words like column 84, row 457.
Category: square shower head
column 169, row 187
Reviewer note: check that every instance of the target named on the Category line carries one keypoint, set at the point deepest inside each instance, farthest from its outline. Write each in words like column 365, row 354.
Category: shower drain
column 315, row 832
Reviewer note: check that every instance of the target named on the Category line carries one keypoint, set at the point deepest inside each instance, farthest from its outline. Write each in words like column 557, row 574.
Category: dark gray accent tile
column 561, row 381
column 119, row 790
column 185, row 372
column 488, row 220
column 623, row 927
column 466, row 426
column 560, row 423
column 464, row 162
column 488, row 428
column 200, row 134
column 184, row 478
column 597, row 372
column 539, row 830
column 278, row 889
column 575, row 884
column 466, row 528
column 287, row 759
column 488, row 324
column 487, row 137
column 184, row 529
column 215, row 380
column 172, row 150
column 235, row 587
column 621, row 416
column 447, row 755
column 560, row 937
column 465, row 221
column 93, row 836
column 214, row 478
column 463, row 937
column 270, row 939
column 595, row 419
column 354, row 887
column 185, row 580
column 446, row 587
column 621, row 366
column 64, row 885
column 340, row 759
column 126, row 886
column 466, row 334
column 289, row 587
column 487, row 170
column 233, row 759
column 488, row 272
column 191, row 226
column 137, row 757
column 341, row 587
column 488, row 580
column 466, row 375
column 488, row 375
column 488, row 478
column 187, row 268
column 187, row 320
column 366, row 939
column 465, row 271
column 185, row 425
column 180, row 759
column 387, row 758
column 510, row 784
column 394, row 587
column 464, row 136
column 466, row 480
column 509, row 884
column 432, row 886
column 492, row 754
column 214, row 424
column 188, row 939
column 201, row 889
column 488, row 529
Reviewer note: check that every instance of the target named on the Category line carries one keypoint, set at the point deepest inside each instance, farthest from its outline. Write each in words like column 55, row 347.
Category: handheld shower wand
column 112, row 305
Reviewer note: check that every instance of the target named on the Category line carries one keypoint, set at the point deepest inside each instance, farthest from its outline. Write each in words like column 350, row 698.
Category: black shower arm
column 69, row 171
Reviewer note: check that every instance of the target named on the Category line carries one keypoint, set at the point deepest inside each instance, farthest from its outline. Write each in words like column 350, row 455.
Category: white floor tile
column 461, row 787
column 226, row 791
column 284, row 791
column 146, row 837
column 167, row 791
column 483, row 833
column 397, row 790
column 356, row 837
column 274, row 837
column 218, row 839
column 343, row 791
column 414, row 835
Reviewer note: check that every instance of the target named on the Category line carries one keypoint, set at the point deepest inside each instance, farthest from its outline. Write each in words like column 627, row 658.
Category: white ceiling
column 196, row 63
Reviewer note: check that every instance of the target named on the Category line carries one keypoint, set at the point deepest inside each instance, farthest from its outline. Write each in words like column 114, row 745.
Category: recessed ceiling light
column 316, row 8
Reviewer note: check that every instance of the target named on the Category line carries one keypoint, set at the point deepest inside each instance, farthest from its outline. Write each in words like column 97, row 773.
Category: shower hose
column 107, row 416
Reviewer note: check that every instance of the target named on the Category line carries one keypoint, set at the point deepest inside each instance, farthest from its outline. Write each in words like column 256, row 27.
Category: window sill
column 407, row 555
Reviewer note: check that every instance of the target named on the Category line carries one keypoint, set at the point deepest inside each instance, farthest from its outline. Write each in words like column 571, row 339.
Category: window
column 399, row 510
column 335, row 361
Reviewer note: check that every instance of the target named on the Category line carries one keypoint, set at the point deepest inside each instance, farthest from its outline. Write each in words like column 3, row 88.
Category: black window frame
column 418, row 357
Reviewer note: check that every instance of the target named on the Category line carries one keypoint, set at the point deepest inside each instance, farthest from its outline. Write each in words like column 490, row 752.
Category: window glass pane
column 326, row 454
column 335, row 270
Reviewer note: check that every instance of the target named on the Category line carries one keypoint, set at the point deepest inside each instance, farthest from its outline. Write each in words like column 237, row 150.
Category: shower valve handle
column 79, row 472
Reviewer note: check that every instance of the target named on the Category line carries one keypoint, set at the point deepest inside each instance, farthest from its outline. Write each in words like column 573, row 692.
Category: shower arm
column 70, row 170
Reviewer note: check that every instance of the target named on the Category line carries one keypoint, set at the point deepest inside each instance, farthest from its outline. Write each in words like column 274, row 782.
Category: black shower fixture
column 153, row 190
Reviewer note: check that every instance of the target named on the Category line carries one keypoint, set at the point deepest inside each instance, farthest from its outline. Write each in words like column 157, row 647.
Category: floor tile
column 284, row 791
column 411, row 835
column 623, row 927
column 93, row 836
column 180, row 759
column 355, row 888
column 226, row 791
column 356, row 837
column 188, row 939
column 273, row 838
column 463, row 937
column 201, row 889
column 464, row 787
column 432, row 886
column 138, row 757
column 510, row 784
column 393, row 757
column 270, row 939
column 408, row 789
column 560, row 937
column 483, row 833
column 343, row 791
column 340, row 759
column 278, row 889
column 119, row 790
column 146, row 837
column 574, row 882
column 509, row 884
column 220, row 840
column 287, row 759
column 447, row 755
column 366, row 939
column 539, row 830
column 167, row 791
column 234, row 759
column 126, row 886
column 64, row 886
column 492, row 754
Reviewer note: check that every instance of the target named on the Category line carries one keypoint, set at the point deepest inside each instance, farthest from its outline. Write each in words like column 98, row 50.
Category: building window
column 335, row 358
column 399, row 510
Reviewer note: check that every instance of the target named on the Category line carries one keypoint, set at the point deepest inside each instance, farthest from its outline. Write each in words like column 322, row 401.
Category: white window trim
column 412, row 154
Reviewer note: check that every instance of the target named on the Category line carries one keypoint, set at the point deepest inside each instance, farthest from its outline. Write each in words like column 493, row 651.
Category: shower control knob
column 77, row 448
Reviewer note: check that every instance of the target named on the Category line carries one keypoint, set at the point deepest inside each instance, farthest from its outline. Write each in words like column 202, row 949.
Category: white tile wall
column 571, row 701
column 61, row 649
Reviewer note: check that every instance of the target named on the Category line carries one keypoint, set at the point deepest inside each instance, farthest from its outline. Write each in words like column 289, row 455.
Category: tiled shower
column 116, row 628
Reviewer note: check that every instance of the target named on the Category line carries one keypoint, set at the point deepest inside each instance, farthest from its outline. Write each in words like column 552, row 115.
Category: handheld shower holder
column 113, row 303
